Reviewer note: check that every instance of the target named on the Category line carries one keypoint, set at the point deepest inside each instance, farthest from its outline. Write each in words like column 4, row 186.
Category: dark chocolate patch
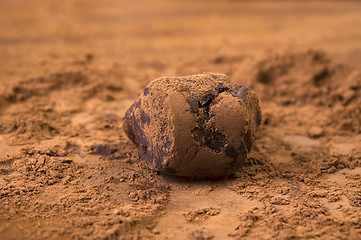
column 231, row 152
column 193, row 105
column 136, row 134
column 167, row 143
column 159, row 155
column 128, row 128
column 146, row 91
column 206, row 101
column 221, row 88
column 205, row 104
column 144, row 118
column 214, row 76
column 213, row 139
column 240, row 92
column 155, row 156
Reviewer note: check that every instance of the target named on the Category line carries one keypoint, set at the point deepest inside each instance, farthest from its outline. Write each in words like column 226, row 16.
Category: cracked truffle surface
column 198, row 126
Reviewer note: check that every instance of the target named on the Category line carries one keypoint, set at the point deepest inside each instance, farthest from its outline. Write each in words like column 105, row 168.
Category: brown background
column 70, row 69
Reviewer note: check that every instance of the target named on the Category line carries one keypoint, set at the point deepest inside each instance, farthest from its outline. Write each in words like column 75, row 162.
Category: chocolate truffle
column 199, row 126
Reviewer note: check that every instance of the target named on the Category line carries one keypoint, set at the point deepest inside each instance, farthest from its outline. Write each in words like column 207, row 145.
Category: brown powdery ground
column 67, row 170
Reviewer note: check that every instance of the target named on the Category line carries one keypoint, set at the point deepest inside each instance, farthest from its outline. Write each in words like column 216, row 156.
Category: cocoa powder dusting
column 69, row 72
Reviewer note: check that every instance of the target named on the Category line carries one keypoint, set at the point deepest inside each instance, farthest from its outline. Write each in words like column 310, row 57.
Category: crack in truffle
column 204, row 133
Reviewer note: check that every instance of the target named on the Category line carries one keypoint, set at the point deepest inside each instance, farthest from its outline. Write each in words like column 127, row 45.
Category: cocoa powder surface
column 69, row 72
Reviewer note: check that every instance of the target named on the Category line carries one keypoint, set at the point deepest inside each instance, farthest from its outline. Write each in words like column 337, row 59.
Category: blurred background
column 170, row 32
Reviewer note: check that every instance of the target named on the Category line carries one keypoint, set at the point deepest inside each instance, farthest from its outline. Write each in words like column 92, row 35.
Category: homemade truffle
column 199, row 126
